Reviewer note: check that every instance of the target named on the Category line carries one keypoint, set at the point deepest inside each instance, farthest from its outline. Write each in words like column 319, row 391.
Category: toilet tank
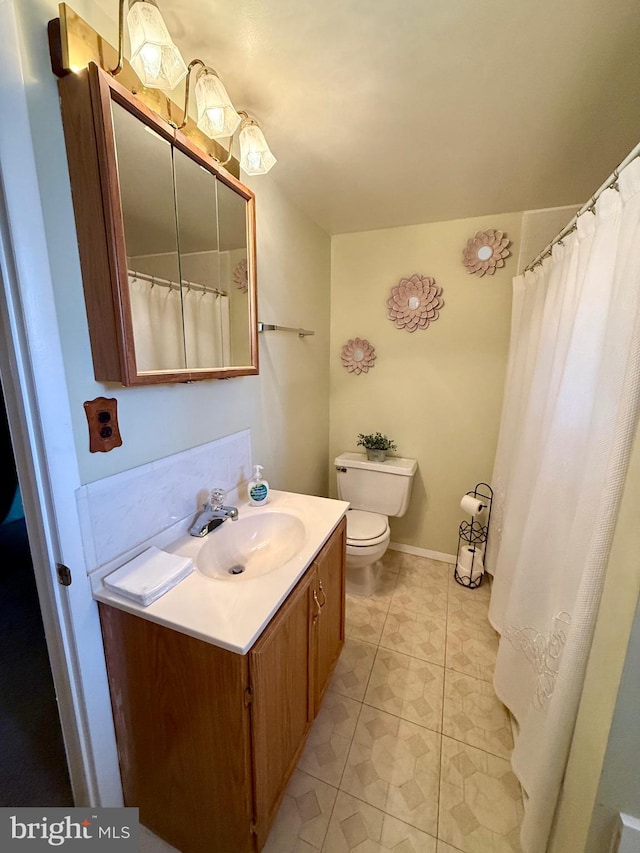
column 383, row 487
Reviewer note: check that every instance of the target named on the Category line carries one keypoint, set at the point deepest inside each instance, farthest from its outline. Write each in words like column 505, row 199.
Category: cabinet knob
column 324, row 595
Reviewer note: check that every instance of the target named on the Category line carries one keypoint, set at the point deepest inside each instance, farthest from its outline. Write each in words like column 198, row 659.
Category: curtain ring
column 614, row 183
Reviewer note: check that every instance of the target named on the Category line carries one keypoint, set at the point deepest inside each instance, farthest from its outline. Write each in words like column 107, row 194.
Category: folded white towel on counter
column 149, row 575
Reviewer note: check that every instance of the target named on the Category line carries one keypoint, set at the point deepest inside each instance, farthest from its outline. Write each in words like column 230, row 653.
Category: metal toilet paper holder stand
column 473, row 535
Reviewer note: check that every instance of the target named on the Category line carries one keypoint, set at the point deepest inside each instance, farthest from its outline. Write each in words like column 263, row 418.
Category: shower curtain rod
column 611, row 181
column 173, row 285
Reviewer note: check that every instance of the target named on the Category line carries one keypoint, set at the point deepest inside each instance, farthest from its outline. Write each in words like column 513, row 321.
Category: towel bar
column 271, row 327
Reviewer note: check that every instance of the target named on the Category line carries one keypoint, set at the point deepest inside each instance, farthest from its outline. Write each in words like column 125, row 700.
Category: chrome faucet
column 212, row 514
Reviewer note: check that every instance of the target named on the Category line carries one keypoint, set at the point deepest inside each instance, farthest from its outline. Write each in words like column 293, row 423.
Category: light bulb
column 215, row 117
column 151, row 56
column 254, row 161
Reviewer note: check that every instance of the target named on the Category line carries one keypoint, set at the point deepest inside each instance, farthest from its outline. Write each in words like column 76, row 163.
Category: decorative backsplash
column 120, row 512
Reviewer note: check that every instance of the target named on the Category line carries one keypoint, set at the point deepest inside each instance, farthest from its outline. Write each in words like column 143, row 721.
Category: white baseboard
column 423, row 552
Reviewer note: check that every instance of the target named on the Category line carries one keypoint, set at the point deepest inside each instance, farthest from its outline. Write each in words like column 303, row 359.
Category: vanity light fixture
column 154, row 57
column 159, row 65
column 217, row 116
column 255, row 156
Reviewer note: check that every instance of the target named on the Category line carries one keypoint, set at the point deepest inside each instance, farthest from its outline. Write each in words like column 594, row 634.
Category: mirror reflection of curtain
column 206, row 325
column 157, row 319
column 167, row 341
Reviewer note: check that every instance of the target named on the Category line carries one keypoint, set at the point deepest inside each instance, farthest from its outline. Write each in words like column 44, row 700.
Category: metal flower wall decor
column 358, row 355
column 415, row 302
column 486, row 251
column 241, row 275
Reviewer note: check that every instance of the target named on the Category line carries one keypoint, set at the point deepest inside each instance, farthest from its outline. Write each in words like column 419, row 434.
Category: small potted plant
column 376, row 444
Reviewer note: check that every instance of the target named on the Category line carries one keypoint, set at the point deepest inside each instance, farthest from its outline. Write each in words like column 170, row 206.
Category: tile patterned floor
column 410, row 750
column 409, row 753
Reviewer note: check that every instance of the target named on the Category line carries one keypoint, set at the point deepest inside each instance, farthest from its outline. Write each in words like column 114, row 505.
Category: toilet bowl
column 375, row 491
column 368, row 538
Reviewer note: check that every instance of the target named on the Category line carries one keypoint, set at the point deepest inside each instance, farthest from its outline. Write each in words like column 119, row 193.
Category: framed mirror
column 166, row 239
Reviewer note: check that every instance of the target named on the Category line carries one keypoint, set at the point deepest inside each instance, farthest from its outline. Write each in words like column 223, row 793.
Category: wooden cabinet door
column 330, row 594
column 183, row 733
column 280, row 664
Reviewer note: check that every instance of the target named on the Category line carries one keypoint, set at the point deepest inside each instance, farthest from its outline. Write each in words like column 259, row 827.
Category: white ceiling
column 391, row 112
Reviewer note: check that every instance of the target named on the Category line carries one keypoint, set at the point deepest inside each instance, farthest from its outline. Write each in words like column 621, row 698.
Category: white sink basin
column 251, row 547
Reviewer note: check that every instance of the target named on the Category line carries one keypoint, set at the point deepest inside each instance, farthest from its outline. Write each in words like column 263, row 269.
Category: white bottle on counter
column 258, row 488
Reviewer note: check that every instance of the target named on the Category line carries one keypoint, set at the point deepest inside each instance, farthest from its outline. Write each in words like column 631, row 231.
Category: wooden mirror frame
column 85, row 99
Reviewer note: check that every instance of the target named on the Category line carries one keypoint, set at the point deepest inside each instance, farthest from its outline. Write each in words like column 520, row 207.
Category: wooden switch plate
column 102, row 417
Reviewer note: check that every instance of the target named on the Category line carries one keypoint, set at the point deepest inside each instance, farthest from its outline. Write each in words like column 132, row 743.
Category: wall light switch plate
column 102, row 417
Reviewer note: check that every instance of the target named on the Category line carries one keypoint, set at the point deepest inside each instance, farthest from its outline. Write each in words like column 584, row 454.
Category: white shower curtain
column 570, row 412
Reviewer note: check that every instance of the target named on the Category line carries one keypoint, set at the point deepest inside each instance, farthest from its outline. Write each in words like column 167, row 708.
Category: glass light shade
column 255, row 156
column 216, row 115
column 154, row 57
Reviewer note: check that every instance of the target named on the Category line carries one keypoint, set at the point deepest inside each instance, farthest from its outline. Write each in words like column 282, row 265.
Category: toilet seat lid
column 363, row 525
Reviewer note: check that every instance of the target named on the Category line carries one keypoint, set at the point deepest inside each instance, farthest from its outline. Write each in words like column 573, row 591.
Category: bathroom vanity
column 208, row 736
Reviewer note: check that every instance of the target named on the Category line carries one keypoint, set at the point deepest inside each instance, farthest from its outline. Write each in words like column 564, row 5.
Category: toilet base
column 363, row 580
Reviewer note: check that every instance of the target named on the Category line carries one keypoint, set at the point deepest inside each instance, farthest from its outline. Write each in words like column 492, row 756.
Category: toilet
column 375, row 491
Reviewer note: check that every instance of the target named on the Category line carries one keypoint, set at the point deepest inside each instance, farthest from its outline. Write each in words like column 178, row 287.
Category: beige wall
column 436, row 392
column 619, row 788
column 286, row 406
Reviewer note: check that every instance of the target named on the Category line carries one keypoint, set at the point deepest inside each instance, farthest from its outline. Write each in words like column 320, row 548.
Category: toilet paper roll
column 471, row 505
column 470, row 565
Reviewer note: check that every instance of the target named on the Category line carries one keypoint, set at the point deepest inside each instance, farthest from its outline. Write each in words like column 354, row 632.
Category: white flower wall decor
column 241, row 275
column 358, row 355
column 485, row 252
column 415, row 302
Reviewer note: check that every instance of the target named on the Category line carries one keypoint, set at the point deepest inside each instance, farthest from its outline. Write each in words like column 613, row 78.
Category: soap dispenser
column 258, row 488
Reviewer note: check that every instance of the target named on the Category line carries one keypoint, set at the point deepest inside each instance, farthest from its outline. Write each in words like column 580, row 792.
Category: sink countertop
column 227, row 614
